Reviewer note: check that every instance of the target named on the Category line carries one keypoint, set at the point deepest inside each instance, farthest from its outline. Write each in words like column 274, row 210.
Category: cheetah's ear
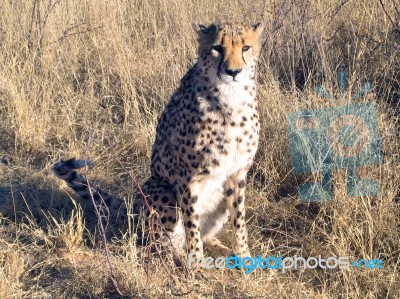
column 258, row 28
column 204, row 30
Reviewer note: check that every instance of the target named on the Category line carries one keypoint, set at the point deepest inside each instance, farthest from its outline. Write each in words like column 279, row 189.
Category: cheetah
column 206, row 140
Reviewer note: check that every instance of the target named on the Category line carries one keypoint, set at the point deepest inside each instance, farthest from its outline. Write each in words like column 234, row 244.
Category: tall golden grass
column 89, row 79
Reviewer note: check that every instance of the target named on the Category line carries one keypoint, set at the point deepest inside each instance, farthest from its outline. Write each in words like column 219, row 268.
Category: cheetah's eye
column 218, row 48
column 246, row 48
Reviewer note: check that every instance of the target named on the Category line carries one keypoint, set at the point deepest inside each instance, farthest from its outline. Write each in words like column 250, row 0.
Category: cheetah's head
column 229, row 51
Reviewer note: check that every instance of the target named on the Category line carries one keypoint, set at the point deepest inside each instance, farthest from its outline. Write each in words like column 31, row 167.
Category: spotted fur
column 205, row 143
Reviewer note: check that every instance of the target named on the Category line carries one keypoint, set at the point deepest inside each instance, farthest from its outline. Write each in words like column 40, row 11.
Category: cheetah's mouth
column 227, row 78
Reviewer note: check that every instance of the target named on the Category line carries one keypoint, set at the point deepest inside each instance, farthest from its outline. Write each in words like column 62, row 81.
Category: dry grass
column 84, row 78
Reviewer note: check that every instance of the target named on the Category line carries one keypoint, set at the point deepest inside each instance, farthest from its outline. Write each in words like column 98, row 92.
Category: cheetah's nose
column 233, row 73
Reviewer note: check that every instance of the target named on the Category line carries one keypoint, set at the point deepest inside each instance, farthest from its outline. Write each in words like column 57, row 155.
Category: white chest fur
column 241, row 132
column 239, row 137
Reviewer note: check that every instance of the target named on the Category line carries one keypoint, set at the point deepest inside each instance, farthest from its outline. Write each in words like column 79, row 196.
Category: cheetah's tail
column 67, row 171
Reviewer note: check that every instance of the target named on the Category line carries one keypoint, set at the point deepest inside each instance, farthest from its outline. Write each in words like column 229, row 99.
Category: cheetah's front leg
column 235, row 195
column 191, row 220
